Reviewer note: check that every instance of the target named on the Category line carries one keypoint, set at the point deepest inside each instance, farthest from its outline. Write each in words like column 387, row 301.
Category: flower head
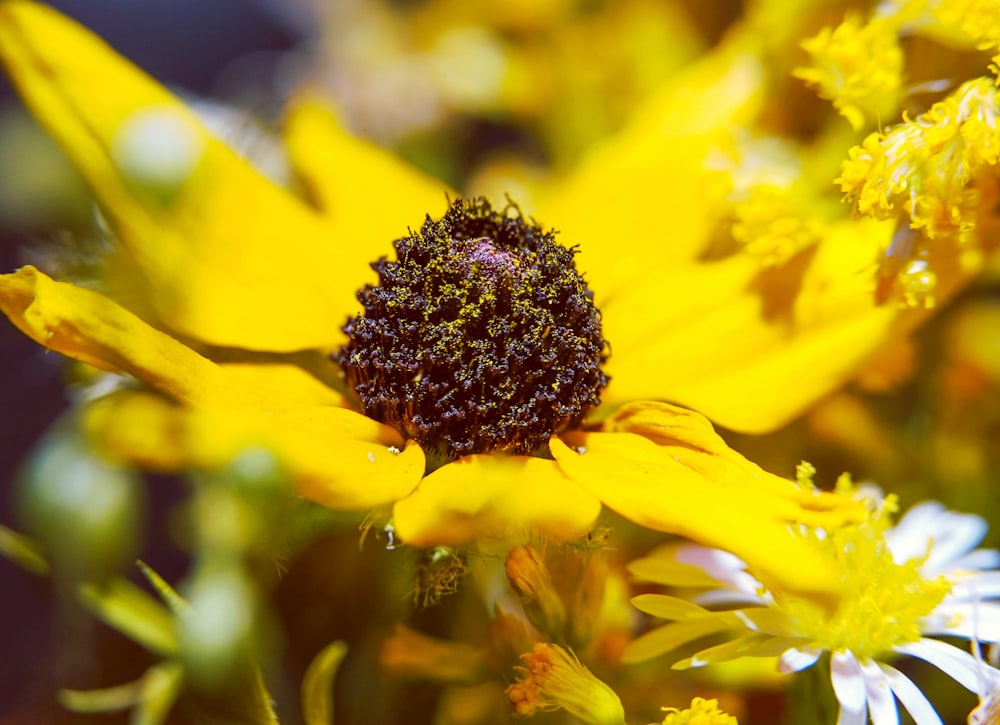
column 859, row 67
column 901, row 587
column 701, row 712
column 553, row 678
column 926, row 172
column 239, row 292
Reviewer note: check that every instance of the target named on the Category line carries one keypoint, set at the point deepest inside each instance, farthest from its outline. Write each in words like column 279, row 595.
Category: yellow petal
column 333, row 456
column 227, row 256
column 642, row 200
column 370, row 197
column 670, row 475
column 86, row 326
column 751, row 349
column 288, row 385
column 494, row 496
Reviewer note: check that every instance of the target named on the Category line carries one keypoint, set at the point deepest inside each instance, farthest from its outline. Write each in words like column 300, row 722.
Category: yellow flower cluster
column 924, row 166
column 859, row 67
column 701, row 712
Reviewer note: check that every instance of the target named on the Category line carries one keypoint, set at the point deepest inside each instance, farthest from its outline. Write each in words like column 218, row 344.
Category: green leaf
column 22, row 551
column 167, row 593
column 152, row 695
column 317, row 685
column 161, row 686
column 123, row 606
column 109, row 699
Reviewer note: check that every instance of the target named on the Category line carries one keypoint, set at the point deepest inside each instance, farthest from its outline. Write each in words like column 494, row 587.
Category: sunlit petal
column 692, row 484
column 503, row 497
column 227, row 257
column 731, row 352
column 608, row 204
column 88, row 327
column 325, row 451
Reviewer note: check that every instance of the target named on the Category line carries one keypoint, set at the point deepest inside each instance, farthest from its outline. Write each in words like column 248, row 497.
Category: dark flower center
column 480, row 336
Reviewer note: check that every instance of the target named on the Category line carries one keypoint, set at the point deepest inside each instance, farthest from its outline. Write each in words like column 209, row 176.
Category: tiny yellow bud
column 552, row 678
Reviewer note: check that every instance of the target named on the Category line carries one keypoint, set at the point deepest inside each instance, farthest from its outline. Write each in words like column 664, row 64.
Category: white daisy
column 901, row 586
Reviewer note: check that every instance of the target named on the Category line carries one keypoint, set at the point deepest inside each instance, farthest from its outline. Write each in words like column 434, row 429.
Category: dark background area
column 188, row 45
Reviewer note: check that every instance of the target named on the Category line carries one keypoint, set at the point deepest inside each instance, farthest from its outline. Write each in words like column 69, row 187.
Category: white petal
column 908, row 539
column 978, row 560
column 721, row 565
column 715, row 597
column 979, row 585
column 796, row 660
column 929, row 528
column 849, row 684
column 919, row 707
column 845, row 717
column 881, row 703
column 957, row 535
column 980, row 622
column 958, row 665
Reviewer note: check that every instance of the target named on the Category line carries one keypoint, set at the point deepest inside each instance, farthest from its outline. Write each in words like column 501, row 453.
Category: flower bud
column 552, row 678
column 216, row 628
column 84, row 511
column 529, row 577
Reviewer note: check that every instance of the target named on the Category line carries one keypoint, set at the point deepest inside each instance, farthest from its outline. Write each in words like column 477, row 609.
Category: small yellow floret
column 977, row 20
column 925, row 165
column 552, row 678
column 857, row 66
column 926, row 172
column 771, row 225
column 701, row 712
column 882, row 602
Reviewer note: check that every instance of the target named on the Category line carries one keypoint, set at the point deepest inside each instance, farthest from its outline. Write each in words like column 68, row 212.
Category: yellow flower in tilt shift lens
column 254, row 315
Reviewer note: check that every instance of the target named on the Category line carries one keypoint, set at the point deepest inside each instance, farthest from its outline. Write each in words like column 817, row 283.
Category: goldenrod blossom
column 901, row 587
column 859, row 67
column 973, row 23
column 701, row 712
column 925, row 171
column 552, row 678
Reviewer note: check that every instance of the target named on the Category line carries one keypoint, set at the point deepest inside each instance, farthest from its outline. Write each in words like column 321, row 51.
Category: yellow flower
column 859, row 67
column 553, row 678
column 239, row 289
column 935, row 173
column 701, row 712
